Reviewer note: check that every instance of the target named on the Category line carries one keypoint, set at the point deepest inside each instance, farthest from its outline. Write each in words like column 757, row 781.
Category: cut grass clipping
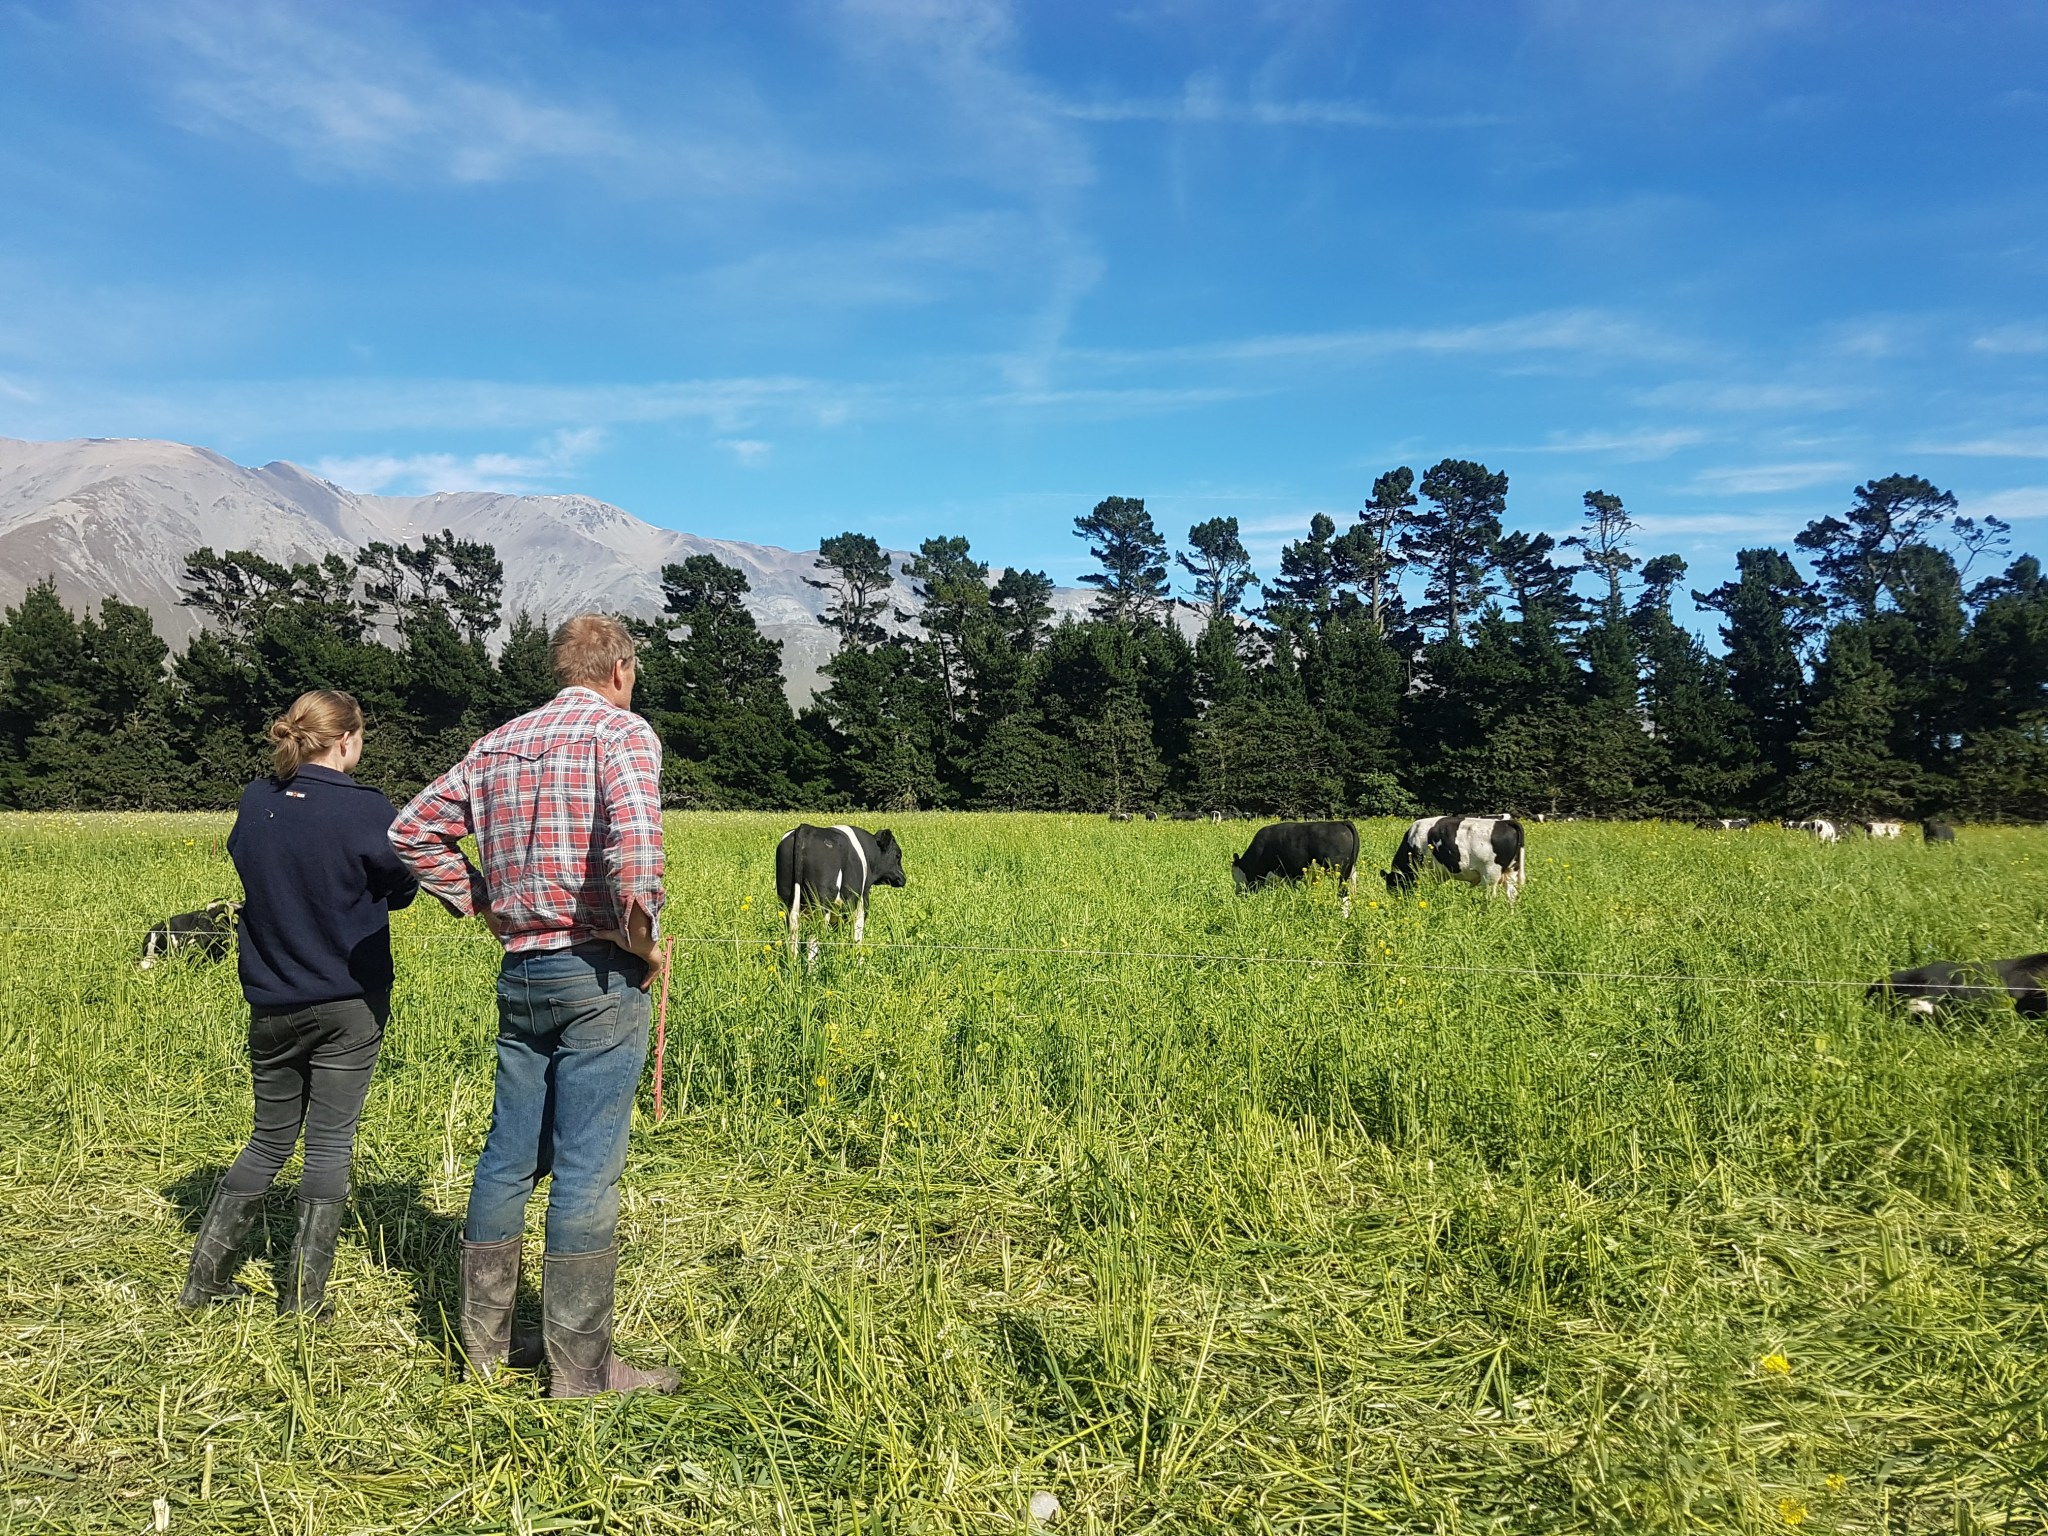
column 1412, row 1243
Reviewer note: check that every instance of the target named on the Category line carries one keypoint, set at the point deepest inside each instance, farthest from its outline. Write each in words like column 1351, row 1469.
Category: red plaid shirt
column 565, row 803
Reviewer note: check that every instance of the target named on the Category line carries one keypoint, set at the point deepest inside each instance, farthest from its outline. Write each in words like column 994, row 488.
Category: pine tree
column 1844, row 764
column 952, row 589
column 1222, row 570
column 858, row 580
column 1705, row 762
column 1771, row 616
column 1306, row 589
column 1376, row 548
column 1452, row 541
column 526, row 679
column 1132, row 554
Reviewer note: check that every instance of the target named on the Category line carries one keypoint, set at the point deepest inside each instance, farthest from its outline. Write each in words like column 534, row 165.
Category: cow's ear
column 885, row 838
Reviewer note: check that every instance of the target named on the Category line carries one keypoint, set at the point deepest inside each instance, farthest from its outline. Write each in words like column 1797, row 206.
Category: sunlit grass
column 1408, row 1243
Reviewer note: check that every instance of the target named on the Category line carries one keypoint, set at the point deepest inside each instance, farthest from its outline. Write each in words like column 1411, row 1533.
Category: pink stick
column 661, row 1027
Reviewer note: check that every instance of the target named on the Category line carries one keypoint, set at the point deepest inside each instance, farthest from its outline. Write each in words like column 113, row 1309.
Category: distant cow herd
column 831, row 871
column 1834, row 829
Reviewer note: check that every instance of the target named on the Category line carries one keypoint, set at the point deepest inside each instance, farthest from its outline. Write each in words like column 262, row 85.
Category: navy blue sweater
column 321, row 882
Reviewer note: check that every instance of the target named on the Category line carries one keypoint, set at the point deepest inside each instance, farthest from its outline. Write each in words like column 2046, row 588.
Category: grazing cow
column 1937, row 832
column 1724, row 824
column 1884, row 828
column 1480, row 850
column 208, row 932
column 1119, row 815
column 1927, row 989
column 1287, row 851
column 832, row 867
column 1826, row 831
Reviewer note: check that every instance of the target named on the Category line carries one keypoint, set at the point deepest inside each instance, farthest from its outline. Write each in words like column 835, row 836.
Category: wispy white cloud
column 1102, row 403
column 365, row 97
column 421, row 473
column 1585, row 333
column 2013, row 340
column 365, row 94
column 985, row 117
column 748, row 452
column 1634, row 447
column 729, row 406
column 903, row 267
column 2023, row 443
column 1206, row 100
column 1774, row 523
column 1740, row 397
column 1666, row 44
column 2012, row 504
column 1766, row 479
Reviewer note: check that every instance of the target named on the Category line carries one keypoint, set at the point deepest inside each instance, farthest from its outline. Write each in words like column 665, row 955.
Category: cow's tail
column 788, row 870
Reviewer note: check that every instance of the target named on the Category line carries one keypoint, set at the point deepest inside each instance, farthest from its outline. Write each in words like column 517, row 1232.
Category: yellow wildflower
column 1792, row 1511
column 1776, row 1364
column 1836, row 1482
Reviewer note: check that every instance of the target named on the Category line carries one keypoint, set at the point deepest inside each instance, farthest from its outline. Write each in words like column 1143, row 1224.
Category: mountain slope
column 117, row 516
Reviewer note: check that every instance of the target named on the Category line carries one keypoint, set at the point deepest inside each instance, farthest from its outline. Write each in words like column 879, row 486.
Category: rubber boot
column 303, row 1285
column 217, row 1249
column 576, row 1323
column 491, row 1336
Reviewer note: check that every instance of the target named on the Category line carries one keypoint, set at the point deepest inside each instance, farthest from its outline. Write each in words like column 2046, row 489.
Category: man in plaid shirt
column 565, row 805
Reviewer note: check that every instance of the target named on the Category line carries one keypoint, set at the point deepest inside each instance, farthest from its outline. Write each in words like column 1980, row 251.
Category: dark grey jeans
column 311, row 1069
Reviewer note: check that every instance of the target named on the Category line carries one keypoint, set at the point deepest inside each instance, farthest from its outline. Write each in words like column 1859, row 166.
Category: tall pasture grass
column 1085, row 1175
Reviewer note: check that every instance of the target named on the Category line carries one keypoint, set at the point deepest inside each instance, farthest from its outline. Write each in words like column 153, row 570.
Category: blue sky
column 946, row 266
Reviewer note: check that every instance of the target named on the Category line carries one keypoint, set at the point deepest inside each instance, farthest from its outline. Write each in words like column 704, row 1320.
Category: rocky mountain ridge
column 117, row 516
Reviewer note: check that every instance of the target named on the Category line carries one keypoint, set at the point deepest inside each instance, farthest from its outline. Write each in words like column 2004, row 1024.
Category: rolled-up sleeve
column 629, row 785
column 427, row 837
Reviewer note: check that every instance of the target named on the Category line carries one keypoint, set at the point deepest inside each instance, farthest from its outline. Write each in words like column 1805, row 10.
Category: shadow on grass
column 399, row 1230
column 269, row 1240
column 409, row 1237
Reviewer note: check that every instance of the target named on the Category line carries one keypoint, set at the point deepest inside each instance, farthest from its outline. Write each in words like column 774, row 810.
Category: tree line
column 1421, row 657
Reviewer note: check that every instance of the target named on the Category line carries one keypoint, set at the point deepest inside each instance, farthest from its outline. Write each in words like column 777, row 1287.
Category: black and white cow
column 832, row 867
column 1937, row 832
column 1882, row 829
column 1820, row 827
column 1927, row 989
column 1480, row 850
column 207, row 933
column 1725, row 824
column 1288, row 850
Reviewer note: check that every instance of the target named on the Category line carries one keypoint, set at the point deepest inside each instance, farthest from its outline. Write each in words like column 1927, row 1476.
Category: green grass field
column 1410, row 1243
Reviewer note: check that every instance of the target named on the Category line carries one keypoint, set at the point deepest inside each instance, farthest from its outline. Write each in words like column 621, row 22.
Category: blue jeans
column 572, row 1038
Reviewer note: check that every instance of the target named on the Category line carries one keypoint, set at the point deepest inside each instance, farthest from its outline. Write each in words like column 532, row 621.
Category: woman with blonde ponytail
column 314, row 951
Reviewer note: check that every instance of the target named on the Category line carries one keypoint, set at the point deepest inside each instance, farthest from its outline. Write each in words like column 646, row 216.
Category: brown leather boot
column 491, row 1337
column 576, row 1323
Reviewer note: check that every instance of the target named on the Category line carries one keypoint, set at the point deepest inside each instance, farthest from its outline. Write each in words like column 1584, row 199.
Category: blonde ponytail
column 314, row 723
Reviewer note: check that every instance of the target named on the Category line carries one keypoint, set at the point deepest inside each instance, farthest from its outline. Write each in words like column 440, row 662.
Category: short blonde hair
column 586, row 648
column 314, row 723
